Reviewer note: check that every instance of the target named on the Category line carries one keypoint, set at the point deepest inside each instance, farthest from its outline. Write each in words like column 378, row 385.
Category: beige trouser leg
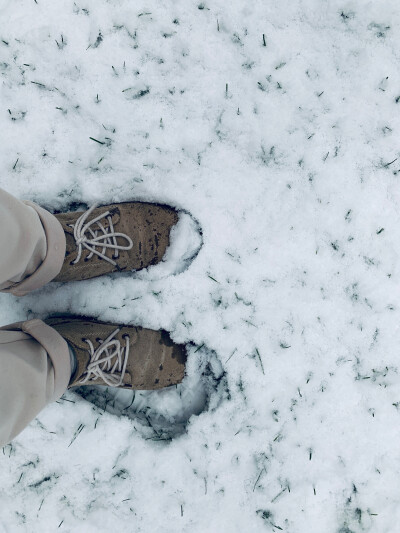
column 34, row 358
column 32, row 244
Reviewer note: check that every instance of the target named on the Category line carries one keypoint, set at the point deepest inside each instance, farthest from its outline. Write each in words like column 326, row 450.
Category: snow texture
column 275, row 125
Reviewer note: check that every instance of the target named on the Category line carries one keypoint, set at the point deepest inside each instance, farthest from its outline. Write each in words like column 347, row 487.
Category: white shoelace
column 106, row 239
column 101, row 366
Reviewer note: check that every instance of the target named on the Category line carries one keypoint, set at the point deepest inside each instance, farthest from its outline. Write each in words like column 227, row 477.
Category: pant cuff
column 56, row 347
column 52, row 263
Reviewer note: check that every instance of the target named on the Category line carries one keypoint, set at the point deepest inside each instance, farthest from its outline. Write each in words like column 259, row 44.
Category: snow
column 281, row 154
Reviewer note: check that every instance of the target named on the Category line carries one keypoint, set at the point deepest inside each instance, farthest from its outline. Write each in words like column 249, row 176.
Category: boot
column 117, row 237
column 131, row 357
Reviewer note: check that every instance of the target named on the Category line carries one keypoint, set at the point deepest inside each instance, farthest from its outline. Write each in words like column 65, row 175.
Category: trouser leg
column 35, row 364
column 32, row 245
column 35, row 370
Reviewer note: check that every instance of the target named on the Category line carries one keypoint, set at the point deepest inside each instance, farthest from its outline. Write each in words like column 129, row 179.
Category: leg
column 35, row 370
column 76, row 245
column 35, row 361
column 35, row 365
column 34, row 242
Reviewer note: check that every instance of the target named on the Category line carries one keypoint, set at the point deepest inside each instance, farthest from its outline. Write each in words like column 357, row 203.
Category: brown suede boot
column 121, row 356
column 117, row 237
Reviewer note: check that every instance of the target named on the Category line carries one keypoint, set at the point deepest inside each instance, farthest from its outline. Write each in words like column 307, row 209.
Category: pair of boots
column 84, row 245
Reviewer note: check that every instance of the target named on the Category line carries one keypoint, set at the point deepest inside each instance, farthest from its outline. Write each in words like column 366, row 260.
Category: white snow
column 284, row 150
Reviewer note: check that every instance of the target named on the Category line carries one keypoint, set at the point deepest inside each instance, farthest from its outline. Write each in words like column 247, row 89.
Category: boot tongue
column 82, row 361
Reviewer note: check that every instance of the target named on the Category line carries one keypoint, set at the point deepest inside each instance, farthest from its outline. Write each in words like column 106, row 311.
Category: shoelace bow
column 101, row 366
column 106, row 239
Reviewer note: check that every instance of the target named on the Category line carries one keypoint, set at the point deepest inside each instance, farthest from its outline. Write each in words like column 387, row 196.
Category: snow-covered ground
column 275, row 125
